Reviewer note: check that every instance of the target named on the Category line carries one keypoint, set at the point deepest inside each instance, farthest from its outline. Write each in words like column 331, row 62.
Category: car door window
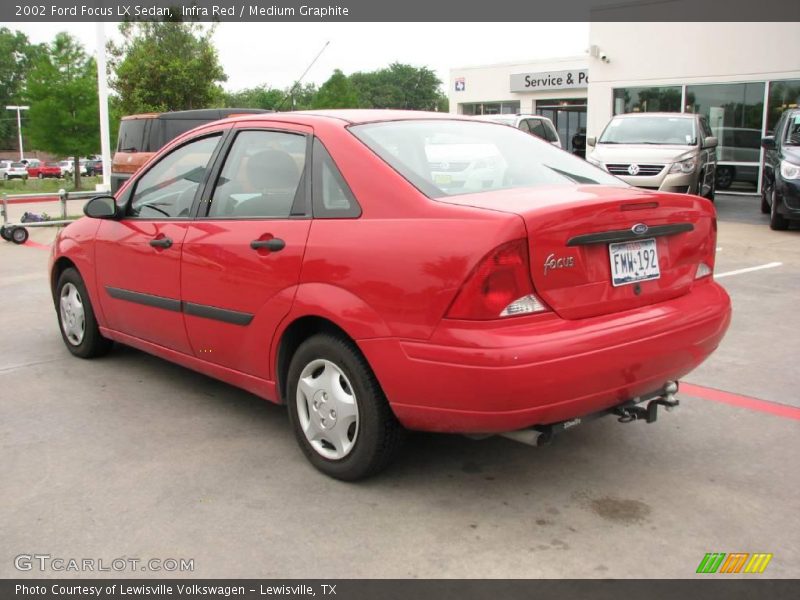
column 261, row 176
column 523, row 125
column 537, row 128
column 332, row 197
column 168, row 189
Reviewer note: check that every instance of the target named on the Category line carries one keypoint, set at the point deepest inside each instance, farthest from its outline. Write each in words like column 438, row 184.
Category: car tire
column 5, row 176
column 764, row 202
column 41, row 176
column 709, row 195
column 19, row 235
column 777, row 222
column 5, row 233
column 72, row 305
column 724, row 177
column 339, row 413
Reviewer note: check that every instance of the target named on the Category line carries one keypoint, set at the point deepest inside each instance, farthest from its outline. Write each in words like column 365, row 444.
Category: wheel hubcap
column 327, row 409
column 73, row 319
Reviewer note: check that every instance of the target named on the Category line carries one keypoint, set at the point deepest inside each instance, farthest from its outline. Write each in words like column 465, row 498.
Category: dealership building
column 741, row 76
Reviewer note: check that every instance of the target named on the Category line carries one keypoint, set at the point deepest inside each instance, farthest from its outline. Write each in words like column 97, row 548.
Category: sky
column 276, row 54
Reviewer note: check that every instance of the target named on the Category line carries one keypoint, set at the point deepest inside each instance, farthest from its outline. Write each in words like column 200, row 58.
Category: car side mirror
column 768, row 143
column 591, row 141
column 710, row 142
column 101, row 207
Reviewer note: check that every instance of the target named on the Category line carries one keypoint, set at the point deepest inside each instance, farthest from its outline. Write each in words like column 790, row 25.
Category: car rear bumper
column 495, row 377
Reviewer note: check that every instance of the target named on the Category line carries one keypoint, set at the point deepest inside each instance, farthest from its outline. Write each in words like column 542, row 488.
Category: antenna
column 299, row 79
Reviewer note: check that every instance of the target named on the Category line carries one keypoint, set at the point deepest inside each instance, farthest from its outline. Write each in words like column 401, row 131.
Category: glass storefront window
column 490, row 108
column 647, row 99
column 782, row 95
column 735, row 112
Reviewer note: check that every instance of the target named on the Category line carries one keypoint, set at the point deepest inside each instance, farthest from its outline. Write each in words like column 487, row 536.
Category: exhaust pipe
column 531, row 437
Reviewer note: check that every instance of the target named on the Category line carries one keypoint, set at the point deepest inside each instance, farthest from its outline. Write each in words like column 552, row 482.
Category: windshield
column 679, row 131
column 447, row 158
column 793, row 131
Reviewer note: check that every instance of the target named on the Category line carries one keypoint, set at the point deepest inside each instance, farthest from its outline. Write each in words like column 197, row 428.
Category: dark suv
column 780, row 186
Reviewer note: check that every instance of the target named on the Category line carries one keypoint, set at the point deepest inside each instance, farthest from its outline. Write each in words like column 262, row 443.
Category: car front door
column 242, row 256
column 138, row 256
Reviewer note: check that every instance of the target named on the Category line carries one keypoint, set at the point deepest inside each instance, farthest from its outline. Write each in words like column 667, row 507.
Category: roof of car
column 658, row 114
column 356, row 115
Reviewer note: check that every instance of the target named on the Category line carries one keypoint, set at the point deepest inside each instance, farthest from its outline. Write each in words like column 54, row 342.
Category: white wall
column 491, row 83
column 645, row 54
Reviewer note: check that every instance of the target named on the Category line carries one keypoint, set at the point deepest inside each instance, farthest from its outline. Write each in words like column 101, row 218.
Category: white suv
column 537, row 125
column 10, row 170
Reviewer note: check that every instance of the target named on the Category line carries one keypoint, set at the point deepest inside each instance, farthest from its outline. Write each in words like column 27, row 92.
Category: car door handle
column 162, row 242
column 272, row 244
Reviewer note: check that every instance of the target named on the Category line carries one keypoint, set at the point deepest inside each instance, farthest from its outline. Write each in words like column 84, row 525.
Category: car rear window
column 447, row 158
column 132, row 135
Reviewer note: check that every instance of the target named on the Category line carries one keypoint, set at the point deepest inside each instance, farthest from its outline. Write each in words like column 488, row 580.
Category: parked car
column 13, row 170
column 140, row 136
column 671, row 152
column 94, row 167
column 737, row 144
column 313, row 259
column 537, row 125
column 780, row 188
column 48, row 169
column 68, row 168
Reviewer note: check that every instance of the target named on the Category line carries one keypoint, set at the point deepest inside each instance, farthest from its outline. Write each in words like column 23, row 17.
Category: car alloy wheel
column 777, row 221
column 19, row 235
column 724, row 177
column 327, row 409
column 73, row 317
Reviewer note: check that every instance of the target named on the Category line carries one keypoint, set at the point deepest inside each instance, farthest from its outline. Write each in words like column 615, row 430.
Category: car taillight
column 499, row 286
column 706, row 267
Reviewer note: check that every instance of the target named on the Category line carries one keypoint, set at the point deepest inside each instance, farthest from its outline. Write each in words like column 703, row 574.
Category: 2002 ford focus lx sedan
column 312, row 259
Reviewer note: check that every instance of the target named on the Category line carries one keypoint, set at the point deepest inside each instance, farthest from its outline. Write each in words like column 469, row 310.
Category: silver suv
column 671, row 152
column 537, row 125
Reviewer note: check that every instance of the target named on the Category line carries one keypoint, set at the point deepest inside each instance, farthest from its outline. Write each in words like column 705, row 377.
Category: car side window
column 537, row 128
column 168, row 189
column 524, row 126
column 550, row 132
column 261, row 176
column 331, row 196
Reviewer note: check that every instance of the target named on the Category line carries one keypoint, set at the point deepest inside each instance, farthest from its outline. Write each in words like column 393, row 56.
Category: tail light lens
column 499, row 286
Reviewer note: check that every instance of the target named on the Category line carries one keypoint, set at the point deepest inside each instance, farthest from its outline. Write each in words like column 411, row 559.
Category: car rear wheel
column 339, row 414
column 725, row 177
column 19, row 235
column 777, row 221
column 41, row 176
column 76, row 318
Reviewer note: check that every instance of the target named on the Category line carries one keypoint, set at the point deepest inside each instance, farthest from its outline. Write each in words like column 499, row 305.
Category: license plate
column 633, row 261
column 442, row 179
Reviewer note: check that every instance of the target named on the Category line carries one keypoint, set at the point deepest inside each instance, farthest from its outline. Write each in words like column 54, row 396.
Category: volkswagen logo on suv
column 633, row 169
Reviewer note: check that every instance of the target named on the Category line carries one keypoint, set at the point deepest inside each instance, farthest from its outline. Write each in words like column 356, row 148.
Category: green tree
column 337, row 92
column 262, row 96
column 165, row 66
column 62, row 92
column 399, row 86
column 17, row 55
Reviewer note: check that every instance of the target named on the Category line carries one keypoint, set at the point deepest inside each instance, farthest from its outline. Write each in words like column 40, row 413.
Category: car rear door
column 242, row 255
column 138, row 257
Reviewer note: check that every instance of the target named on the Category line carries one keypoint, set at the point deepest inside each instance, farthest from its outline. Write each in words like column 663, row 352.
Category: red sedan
column 50, row 169
column 380, row 271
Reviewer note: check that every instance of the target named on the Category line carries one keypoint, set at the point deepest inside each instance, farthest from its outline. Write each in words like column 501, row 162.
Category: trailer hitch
column 628, row 413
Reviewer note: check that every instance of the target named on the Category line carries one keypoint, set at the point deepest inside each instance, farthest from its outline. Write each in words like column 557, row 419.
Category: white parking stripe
column 771, row 265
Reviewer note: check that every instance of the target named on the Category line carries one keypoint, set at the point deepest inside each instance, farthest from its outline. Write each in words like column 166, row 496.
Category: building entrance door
column 570, row 122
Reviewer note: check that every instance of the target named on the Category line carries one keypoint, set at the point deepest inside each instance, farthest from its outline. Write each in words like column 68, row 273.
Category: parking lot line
column 33, row 244
column 766, row 406
column 771, row 265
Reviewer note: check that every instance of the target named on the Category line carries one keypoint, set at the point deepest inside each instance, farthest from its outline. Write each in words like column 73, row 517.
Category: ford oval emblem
column 639, row 229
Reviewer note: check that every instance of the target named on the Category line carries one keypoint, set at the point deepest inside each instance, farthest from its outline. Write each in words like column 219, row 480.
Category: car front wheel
column 340, row 416
column 777, row 221
column 76, row 318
